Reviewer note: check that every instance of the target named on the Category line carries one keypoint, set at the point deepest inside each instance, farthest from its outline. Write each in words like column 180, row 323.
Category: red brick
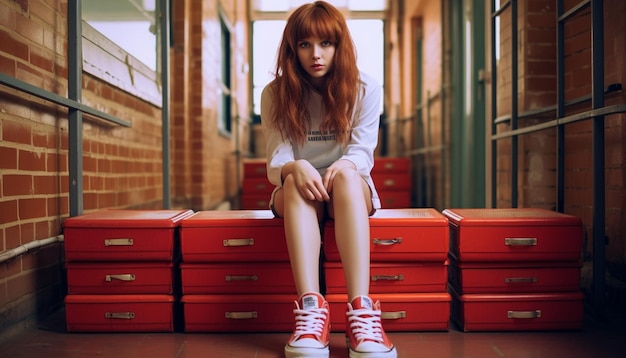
column 17, row 184
column 17, row 132
column 31, row 161
column 32, row 208
column 8, row 158
column 46, row 184
column 8, row 208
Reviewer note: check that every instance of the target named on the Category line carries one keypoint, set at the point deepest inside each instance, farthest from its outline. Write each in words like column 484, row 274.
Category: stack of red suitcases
column 121, row 270
column 256, row 189
column 408, row 271
column 392, row 178
column 515, row 269
column 235, row 271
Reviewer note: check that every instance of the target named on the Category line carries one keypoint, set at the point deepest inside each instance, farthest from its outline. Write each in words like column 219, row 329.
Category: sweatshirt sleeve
column 278, row 151
column 364, row 138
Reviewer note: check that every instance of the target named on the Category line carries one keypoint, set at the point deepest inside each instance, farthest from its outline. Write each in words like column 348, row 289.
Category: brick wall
column 206, row 163
column 122, row 167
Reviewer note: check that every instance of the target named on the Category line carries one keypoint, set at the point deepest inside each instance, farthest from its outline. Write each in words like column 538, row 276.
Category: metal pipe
column 75, row 117
column 514, row 103
column 164, row 18
column 22, row 249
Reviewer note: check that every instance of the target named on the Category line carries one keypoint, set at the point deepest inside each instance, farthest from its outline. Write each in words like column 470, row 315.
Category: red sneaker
column 365, row 334
column 311, row 336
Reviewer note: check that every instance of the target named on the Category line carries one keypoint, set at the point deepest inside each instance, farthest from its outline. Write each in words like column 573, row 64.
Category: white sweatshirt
column 321, row 149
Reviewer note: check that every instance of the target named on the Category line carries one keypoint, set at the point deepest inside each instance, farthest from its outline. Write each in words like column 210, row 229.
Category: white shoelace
column 364, row 327
column 310, row 321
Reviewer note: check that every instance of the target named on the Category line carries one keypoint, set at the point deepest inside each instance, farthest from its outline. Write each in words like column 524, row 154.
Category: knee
column 346, row 176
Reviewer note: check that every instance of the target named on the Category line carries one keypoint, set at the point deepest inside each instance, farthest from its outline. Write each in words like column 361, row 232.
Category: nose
column 316, row 52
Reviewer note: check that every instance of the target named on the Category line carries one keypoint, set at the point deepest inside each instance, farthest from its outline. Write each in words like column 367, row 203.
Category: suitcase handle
column 241, row 315
column 399, row 277
column 524, row 314
column 520, row 280
column 520, row 241
column 124, row 277
column 120, row 315
column 239, row 242
column 241, row 278
column 393, row 315
column 118, row 242
column 377, row 241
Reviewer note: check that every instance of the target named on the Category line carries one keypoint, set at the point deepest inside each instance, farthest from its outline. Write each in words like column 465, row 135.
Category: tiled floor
column 599, row 338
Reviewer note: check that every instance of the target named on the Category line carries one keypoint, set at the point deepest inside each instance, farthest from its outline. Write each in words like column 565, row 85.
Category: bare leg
column 350, row 207
column 302, row 232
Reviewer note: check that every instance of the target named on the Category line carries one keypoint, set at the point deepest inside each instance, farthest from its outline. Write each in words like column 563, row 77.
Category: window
column 224, row 110
column 120, row 45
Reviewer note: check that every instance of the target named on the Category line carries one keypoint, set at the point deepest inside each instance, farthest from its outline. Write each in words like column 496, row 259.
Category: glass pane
column 116, row 19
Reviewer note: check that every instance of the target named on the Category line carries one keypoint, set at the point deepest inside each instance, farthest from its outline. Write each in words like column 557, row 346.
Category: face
column 316, row 57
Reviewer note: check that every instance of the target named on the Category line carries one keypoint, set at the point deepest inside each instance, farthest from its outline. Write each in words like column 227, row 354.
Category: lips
column 317, row 67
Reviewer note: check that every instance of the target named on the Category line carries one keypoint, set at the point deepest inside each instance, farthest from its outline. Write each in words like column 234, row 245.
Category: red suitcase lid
column 119, row 298
column 530, row 297
column 407, row 217
column 121, row 218
column 231, row 218
column 510, row 216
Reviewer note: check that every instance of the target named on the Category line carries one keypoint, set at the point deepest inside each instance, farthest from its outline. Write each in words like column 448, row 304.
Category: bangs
column 317, row 23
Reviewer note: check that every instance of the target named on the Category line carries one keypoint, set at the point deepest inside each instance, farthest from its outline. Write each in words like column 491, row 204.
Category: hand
column 330, row 173
column 309, row 181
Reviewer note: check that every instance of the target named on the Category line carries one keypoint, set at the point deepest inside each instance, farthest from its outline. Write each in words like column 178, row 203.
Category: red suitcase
column 255, row 202
column 254, row 168
column 119, row 235
column 238, row 313
column 394, row 199
column 231, row 278
column 518, row 234
column 390, row 165
column 518, row 312
column 119, row 313
column 391, row 181
column 400, row 235
column 120, row 278
column 517, row 277
column 256, row 186
column 411, row 277
column 233, row 235
column 404, row 312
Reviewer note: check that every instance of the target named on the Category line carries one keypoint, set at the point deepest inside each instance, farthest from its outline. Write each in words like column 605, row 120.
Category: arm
column 281, row 160
column 364, row 138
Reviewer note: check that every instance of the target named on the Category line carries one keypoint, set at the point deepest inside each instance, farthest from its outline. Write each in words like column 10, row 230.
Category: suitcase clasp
column 241, row 278
column 520, row 241
column 239, row 242
column 124, row 277
column 393, row 315
column 241, row 315
column 377, row 241
column 120, row 315
column 524, row 314
column 118, row 242
column 388, row 277
column 520, row 280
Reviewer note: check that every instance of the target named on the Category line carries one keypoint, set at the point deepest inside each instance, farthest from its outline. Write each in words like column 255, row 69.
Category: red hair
column 290, row 87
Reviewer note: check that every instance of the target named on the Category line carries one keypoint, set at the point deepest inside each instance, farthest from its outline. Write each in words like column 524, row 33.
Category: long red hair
column 290, row 87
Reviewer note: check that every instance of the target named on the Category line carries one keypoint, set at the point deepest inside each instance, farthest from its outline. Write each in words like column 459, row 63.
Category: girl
column 320, row 117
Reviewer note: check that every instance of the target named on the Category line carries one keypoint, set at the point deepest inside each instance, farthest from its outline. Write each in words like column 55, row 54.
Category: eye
column 303, row 44
column 326, row 43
